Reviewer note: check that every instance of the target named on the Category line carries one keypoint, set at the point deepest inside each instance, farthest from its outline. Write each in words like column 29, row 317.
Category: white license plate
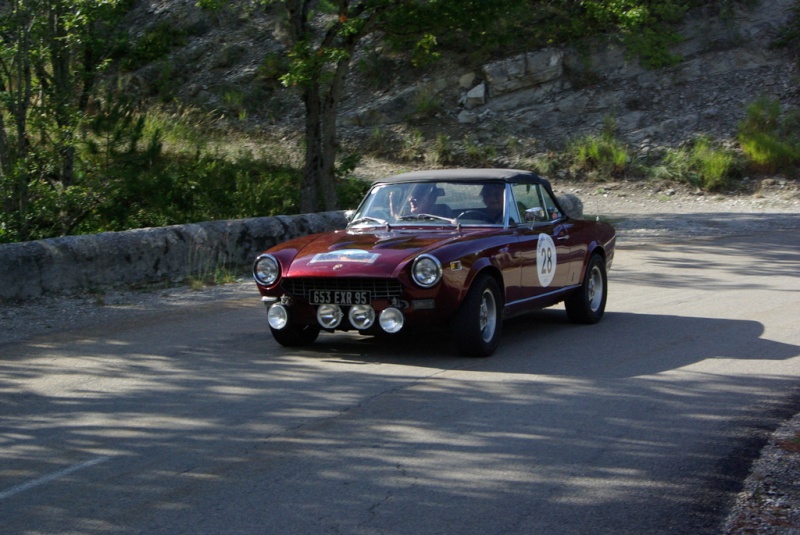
column 338, row 297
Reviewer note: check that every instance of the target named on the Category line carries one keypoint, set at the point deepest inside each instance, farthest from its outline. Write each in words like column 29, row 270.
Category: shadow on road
column 208, row 426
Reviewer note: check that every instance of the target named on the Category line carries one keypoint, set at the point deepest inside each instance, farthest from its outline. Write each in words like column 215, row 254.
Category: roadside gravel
column 769, row 503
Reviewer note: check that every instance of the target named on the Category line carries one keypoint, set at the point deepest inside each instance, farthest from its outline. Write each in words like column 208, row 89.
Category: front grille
column 378, row 288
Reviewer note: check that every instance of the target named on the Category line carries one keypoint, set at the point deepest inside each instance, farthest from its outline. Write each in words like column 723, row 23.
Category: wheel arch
column 480, row 268
column 594, row 248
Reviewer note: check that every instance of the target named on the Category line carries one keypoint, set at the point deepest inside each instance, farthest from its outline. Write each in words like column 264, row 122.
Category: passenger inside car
column 492, row 195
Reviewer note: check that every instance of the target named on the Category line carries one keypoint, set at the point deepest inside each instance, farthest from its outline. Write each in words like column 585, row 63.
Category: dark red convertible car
column 458, row 249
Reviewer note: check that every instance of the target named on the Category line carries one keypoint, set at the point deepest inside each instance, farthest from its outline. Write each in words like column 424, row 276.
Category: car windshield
column 433, row 203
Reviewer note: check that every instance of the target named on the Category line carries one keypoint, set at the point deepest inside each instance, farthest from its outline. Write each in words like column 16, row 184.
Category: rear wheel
column 296, row 335
column 588, row 303
column 477, row 325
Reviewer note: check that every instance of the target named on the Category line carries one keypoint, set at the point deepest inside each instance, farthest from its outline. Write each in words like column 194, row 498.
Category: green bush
column 350, row 191
column 477, row 154
column 180, row 188
column 153, row 45
column 126, row 178
column 603, row 154
column 440, row 152
column 702, row 164
column 769, row 137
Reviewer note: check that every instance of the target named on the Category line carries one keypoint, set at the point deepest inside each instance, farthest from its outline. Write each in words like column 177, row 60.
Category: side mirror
column 535, row 214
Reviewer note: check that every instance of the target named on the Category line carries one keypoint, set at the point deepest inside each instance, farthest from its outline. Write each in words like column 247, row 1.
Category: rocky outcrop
column 556, row 94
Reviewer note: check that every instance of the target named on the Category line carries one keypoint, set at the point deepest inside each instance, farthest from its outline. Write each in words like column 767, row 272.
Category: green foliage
column 426, row 104
column 127, row 176
column 424, row 51
column 309, row 65
column 52, row 54
column 199, row 187
column 373, row 66
column 379, row 143
column 603, row 154
column 652, row 47
column 478, row 154
column 545, row 164
column 88, row 160
column 178, row 174
column 492, row 28
column 350, row 191
column 703, row 164
column 789, row 37
column 441, row 152
column 770, row 138
column 211, row 5
column 413, row 145
column 271, row 69
column 155, row 44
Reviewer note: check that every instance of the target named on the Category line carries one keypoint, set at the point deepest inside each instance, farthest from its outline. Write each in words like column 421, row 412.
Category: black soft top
column 515, row 176
column 467, row 175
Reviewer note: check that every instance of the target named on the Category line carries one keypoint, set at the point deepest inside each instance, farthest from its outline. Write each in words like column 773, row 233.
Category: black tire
column 588, row 303
column 296, row 335
column 478, row 323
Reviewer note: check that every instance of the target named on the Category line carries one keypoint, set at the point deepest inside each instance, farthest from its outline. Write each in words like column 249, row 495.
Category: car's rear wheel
column 588, row 303
column 296, row 335
column 477, row 325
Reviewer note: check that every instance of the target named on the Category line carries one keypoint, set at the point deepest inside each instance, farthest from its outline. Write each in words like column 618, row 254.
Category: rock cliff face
column 545, row 96
column 555, row 94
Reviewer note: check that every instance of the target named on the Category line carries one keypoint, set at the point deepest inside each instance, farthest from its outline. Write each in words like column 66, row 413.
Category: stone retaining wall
column 75, row 263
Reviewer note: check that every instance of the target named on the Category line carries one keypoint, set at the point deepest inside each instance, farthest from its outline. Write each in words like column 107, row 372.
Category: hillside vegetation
column 118, row 114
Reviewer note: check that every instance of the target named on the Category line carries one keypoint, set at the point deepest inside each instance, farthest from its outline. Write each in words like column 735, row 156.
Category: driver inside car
column 421, row 200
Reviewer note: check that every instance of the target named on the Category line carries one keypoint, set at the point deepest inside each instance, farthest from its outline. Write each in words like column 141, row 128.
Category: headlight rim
column 256, row 276
column 363, row 324
column 438, row 268
column 278, row 316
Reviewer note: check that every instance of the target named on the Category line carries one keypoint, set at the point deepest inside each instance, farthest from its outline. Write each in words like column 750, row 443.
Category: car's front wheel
column 477, row 324
column 296, row 335
column 588, row 303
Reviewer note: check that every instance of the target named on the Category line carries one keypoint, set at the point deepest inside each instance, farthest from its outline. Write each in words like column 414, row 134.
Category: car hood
column 372, row 252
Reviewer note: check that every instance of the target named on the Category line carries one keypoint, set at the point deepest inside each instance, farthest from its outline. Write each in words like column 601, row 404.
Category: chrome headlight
column 361, row 316
column 266, row 270
column 278, row 316
column 391, row 320
column 426, row 270
column 329, row 316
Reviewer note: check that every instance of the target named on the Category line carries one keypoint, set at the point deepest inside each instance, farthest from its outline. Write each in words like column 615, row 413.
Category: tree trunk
column 5, row 150
column 322, row 98
column 309, row 194
column 62, row 93
column 330, row 143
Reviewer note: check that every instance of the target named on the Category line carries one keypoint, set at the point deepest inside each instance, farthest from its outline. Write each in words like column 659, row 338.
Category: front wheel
column 296, row 335
column 477, row 325
column 588, row 303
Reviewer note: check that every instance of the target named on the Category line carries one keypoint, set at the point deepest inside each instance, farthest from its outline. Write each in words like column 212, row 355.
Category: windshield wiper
column 368, row 219
column 427, row 217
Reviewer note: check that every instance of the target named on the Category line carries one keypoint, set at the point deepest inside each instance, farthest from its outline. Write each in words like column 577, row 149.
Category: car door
column 570, row 243
column 544, row 244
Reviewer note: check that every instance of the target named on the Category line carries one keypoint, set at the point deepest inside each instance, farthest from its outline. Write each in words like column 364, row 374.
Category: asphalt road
column 194, row 421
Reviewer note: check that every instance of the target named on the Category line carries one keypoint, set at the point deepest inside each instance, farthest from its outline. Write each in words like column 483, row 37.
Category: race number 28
column 546, row 260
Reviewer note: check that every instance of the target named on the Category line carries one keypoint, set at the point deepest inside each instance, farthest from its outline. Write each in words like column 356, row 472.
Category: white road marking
column 51, row 477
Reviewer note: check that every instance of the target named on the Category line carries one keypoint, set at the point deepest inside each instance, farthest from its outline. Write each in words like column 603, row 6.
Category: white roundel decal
column 546, row 260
